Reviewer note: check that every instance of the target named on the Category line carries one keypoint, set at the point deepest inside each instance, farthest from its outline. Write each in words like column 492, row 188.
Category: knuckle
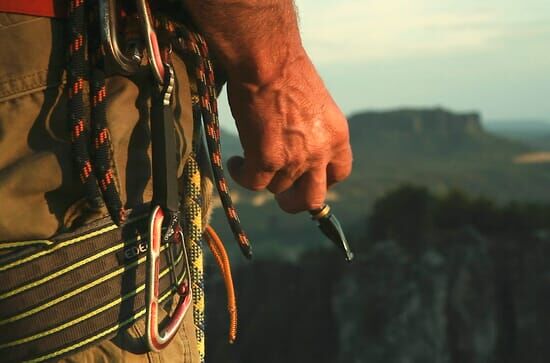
column 342, row 137
column 270, row 162
column 340, row 166
column 317, row 154
column 253, row 180
column 341, row 131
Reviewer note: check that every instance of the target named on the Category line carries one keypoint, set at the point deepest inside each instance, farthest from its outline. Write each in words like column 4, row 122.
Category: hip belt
column 62, row 295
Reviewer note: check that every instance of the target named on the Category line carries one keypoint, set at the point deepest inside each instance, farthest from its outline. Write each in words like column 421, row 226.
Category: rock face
column 424, row 132
column 457, row 304
column 436, row 307
column 391, row 310
column 463, row 295
column 436, row 122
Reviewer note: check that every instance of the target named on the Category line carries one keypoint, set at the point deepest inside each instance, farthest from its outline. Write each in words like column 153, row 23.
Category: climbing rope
column 222, row 259
column 194, row 46
column 77, row 78
column 192, row 226
column 96, row 167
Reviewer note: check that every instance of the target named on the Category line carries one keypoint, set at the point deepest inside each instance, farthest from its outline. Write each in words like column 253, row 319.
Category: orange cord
column 222, row 259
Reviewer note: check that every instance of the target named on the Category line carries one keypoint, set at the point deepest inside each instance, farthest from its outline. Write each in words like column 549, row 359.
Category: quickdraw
column 165, row 195
column 165, row 205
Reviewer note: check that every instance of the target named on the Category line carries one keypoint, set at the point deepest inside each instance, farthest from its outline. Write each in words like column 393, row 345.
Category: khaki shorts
column 39, row 193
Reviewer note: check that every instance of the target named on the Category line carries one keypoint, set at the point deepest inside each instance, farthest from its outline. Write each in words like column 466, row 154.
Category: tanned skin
column 294, row 136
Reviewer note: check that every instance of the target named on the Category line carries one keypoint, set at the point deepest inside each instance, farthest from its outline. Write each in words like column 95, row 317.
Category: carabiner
column 151, row 41
column 130, row 65
column 164, row 169
column 158, row 340
column 109, row 38
column 165, row 200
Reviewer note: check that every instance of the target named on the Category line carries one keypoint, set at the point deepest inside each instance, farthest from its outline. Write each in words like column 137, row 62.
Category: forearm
column 253, row 40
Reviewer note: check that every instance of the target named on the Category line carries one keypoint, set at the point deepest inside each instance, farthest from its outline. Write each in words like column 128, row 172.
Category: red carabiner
column 158, row 340
column 151, row 41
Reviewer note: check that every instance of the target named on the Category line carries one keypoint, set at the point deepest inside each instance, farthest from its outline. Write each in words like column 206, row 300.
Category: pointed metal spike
column 331, row 227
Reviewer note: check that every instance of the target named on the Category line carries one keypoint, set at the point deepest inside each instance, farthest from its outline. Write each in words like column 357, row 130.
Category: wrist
column 253, row 40
column 265, row 64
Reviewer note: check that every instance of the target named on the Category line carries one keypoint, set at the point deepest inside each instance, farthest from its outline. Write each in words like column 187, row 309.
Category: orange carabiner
column 157, row 340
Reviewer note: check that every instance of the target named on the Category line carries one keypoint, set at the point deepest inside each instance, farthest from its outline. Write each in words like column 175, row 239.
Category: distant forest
column 412, row 213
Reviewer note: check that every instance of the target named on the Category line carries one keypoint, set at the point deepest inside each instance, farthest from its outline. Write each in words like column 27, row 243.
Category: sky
column 490, row 56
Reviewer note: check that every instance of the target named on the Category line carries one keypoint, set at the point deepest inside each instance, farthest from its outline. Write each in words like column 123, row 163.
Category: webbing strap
column 79, row 289
column 105, row 333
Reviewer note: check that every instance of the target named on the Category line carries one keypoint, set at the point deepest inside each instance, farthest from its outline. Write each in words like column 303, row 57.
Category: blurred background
column 447, row 209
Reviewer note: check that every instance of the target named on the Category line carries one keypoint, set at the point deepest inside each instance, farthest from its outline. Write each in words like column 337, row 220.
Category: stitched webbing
column 77, row 300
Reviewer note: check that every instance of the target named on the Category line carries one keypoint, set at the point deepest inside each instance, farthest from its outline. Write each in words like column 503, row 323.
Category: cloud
column 360, row 31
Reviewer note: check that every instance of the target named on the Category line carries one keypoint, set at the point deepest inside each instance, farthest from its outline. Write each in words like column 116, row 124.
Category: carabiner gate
column 151, row 41
column 129, row 65
column 109, row 38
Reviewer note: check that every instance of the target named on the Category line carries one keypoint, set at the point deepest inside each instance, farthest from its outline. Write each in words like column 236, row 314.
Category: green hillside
column 441, row 150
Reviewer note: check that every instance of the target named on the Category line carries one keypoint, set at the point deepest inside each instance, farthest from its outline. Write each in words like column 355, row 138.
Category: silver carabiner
column 130, row 64
column 109, row 38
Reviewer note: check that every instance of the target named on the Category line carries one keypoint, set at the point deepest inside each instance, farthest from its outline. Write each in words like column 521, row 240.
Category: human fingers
column 247, row 174
column 338, row 170
column 308, row 192
column 284, row 179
